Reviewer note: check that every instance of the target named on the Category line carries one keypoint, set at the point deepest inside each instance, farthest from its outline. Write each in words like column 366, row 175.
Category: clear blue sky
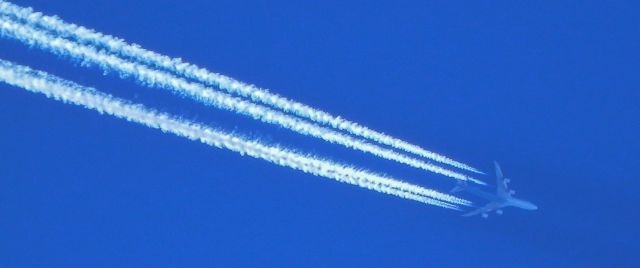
column 549, row 89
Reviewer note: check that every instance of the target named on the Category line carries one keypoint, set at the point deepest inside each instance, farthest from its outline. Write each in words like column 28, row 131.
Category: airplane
column 502, row 198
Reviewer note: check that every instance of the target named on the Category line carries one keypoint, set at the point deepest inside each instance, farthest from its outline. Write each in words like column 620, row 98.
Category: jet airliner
column 502, row 198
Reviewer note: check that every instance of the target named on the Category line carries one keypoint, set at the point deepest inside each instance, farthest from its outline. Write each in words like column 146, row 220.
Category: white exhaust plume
column 177, row 66
column 69, row 92
column 145, row 75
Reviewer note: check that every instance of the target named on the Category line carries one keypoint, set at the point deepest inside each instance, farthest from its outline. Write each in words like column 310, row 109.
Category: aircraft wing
column 499, row 174
column 500, row 181
column 487, row 208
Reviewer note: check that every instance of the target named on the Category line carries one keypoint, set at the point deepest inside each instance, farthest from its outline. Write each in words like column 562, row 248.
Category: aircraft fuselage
column 504, row 201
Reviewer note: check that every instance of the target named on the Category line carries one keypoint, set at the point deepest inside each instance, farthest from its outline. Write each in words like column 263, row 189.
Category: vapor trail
column 177, row 66
column 145, row 75
column 69, row 92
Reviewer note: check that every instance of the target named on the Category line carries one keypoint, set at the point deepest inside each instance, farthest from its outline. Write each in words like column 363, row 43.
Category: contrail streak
column 177, row 66
column 197, row 91
column 69, row 92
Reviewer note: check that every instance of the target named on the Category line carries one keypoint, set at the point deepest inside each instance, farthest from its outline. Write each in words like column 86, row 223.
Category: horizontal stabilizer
column 460, row 186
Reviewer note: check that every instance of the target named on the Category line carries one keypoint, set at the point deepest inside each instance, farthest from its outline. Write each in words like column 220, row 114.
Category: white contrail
column 221, row 100
column 177, row 66
column 70, row 92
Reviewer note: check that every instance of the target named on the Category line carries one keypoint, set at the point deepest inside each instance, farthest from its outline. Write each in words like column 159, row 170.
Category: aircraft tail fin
column 460, row 186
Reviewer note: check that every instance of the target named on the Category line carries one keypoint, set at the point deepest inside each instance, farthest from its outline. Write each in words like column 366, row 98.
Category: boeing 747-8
column 502, row 198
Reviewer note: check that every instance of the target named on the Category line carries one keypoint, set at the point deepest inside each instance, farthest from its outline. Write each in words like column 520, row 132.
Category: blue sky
column 549, row 89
